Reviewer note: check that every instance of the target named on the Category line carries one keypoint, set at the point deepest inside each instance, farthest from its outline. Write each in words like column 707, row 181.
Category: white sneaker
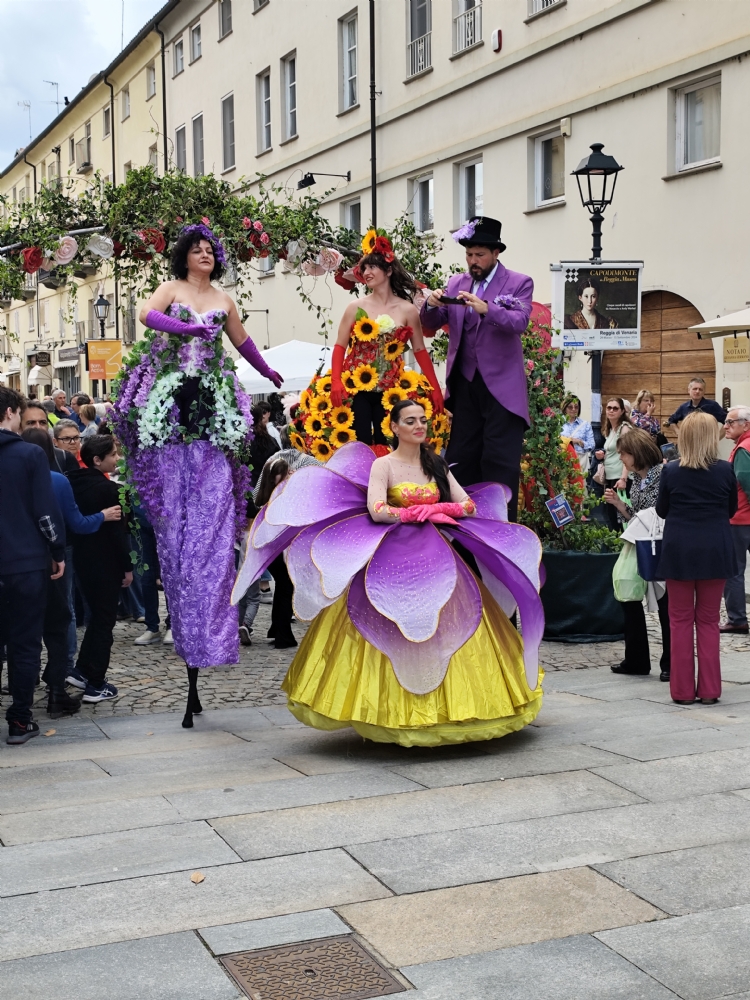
column 168, row 640
column 266, row 597
column 147, row 638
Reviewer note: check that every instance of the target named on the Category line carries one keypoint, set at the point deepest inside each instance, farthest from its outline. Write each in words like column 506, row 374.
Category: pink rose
column 206, row 221
column 530, row 365
column 265, row 239
column 537, row 383
column 66, row 250
column 246, row 223
column 548, row 411
column 258, row 226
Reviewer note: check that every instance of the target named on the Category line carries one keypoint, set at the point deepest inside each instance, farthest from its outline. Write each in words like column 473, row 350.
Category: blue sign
column 560, row 510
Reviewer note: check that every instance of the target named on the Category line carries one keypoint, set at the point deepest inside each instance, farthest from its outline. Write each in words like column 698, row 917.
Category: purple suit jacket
column 498, row 339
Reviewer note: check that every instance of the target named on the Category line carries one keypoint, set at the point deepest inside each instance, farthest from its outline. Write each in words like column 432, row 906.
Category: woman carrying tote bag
column 697, row 496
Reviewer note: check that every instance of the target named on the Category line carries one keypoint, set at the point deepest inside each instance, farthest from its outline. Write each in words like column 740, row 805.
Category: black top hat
column 481, row 231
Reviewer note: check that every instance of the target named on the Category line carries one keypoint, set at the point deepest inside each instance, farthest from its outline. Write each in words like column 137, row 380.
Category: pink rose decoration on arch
column 258, row 226
column 265, row 239
column 66, row 250
column 246, row 223
column 330, row 259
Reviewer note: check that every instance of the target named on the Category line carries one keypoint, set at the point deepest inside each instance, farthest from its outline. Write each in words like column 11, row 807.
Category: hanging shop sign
column 736, row 349
column 68, row 354
column 105, row 358
column 597, row 307
column 43, row 358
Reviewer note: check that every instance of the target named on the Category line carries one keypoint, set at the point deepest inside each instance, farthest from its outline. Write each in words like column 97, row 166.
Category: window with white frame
column 106, row 122
column 419, row 49
column 698, row 123
column 195, row 42
column 180, row 148
column 470, row 189
column 225, row 17
column 348, row 49
column 150, row 81
column 71, row 149
column 467, row 24
column 153, row 158
column 227, row 132
column 43, row 316
column 289, row 94
column 266, row 266
column 198, row 145
column 422, row 204
column 125, row 102
column 540, row 6
column 32, row 309
column 549, row 169
column 263, row 85
column 179, row 57
column 352, row 216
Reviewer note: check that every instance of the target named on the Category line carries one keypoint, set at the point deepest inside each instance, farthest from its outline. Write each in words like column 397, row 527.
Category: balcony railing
column 539, row 6
column 467, row 30
column 419, row 55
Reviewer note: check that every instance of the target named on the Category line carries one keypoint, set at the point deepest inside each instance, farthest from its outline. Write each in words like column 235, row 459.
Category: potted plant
column 578, row 558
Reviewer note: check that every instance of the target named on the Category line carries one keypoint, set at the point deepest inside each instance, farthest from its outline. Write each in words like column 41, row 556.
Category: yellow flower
column 304, row 399
column 342, row 417
column 408, row 381
column 321, row 450
column 393, row 349
column 366, row 329
column 385, row 426
column 365, row 377
column 314, row 425
column 297, row 441
column 439, row 424
column 427, row 407
column 343, row 435
column 393, row 396
column 323, row 385
column 368, row 241
column 348, row 379
column 320, row 405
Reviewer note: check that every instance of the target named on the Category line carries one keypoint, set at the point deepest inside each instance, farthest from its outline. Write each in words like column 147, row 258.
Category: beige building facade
column 485, row 108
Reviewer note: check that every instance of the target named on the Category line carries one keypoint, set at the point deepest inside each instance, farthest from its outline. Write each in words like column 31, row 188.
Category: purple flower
column 147, row 383
column 207, row 234
column 194, row 356
column 509, row 301
column 466, row 231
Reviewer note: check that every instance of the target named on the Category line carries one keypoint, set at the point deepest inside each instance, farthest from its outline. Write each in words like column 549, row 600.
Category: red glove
column 337, row 366
column 415, row 514
column 423, row 359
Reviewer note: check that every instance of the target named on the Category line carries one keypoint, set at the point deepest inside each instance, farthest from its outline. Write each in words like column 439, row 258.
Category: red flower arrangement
column 152, row 242
column 32, row 259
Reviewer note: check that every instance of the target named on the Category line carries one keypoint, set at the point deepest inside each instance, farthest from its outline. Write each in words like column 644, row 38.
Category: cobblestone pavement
column 152, row 678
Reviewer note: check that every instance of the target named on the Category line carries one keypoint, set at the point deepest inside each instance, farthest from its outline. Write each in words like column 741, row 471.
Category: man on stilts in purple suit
column 486, row 378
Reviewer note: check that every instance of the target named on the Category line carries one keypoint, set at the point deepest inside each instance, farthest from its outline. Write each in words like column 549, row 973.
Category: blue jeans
column 70, row 590
column 734, row 588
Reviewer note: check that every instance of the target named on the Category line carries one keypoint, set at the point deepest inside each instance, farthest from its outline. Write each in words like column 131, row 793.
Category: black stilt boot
column 194, row 706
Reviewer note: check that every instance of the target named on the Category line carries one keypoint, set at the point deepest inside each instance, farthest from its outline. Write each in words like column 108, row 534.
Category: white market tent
column 296, row 361
column 725, row 326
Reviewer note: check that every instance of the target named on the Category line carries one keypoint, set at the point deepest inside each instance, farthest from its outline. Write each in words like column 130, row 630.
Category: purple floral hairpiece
column 207, row 234
column 466, row 231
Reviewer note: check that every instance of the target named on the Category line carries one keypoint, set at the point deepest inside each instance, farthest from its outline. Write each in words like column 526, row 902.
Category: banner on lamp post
column 597, row 307
column 104, row 358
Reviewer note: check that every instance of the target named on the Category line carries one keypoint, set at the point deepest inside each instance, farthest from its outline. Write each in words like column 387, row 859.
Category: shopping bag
column 628, row 584
column 648, row 553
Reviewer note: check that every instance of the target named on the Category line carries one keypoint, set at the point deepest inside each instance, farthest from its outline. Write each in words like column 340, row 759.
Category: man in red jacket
column 737, row 427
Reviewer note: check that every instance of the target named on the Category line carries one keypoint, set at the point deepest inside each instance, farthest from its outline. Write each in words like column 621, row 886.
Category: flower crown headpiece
column 208, row 234
column 376, row 241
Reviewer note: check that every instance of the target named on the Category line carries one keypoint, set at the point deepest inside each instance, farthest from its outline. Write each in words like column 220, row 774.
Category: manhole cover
column 313, row 970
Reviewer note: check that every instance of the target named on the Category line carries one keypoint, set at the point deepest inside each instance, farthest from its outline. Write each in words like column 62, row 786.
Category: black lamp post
column 593, row 175
column 101, row 308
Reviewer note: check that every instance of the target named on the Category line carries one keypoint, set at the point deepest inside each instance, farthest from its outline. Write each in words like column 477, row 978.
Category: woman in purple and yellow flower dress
column 407, row 645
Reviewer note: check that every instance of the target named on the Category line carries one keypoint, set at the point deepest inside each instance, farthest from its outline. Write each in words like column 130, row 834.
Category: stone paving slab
column 237, row 756
column 575, row 968
column 682, row 882
column 546, row 844
column 340, row 824
column 221, row 719
column 109, row 857
column 67, row 731
column 170, row 967
column 681, row 777
column 253, row 934
column 163, row 904
column 701, row 956
column 413, row 929
column 290, row 793
column 23, row 780
column 77, row 821
column 677, row 744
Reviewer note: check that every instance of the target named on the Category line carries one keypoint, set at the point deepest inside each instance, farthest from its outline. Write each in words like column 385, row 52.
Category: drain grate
column 336, row 967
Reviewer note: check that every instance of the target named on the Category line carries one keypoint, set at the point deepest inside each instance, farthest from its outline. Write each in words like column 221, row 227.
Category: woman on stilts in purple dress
column 185, row 424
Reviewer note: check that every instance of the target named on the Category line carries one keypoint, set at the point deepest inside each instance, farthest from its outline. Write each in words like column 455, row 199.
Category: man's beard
column 478, row 272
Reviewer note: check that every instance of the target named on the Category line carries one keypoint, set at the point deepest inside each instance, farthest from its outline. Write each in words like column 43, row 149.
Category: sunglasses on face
column 613, row 407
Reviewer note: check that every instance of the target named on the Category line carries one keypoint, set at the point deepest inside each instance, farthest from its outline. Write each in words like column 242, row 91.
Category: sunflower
column 304, row 399
column 408, row 381
column 368, row 241
column 341, row 417
column 297, row 441
column 323, row 385
column 427, row 404
column 365, row 377
column 321, row 450
column 349, row 383
column 439, row 424
column 320, row 405
column 314, row 425
column 343, row 435
column 393, row 349
column 385, row 426
column 366, row 329
column 393, row 396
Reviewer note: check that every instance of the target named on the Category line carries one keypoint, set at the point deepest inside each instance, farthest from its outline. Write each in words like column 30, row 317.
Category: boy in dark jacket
column 103, row 565
column 32, row 547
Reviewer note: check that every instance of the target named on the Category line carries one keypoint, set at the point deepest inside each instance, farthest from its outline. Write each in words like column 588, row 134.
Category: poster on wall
column 104, row 358
column 597, row 307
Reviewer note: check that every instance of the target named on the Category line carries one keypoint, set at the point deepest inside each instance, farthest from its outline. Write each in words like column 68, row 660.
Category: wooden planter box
column 578, row 598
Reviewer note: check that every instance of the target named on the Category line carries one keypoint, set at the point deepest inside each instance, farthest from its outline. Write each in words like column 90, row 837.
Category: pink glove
column 252, row 355
column 449, row 509
column 416, row 514
column 156, row 320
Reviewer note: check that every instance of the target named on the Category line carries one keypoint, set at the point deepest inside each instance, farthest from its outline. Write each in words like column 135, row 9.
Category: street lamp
column 309, row 179
column 593, row 174
column 101, row 308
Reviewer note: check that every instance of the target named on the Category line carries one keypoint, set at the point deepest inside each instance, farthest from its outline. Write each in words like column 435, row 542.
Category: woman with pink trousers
column 697, row 497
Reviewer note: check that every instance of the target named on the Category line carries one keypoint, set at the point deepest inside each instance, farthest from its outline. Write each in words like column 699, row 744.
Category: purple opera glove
column 156, row 320
column 252, row 355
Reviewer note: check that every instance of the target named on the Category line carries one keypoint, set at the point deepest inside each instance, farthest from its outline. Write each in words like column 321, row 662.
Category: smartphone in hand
column 446, row 300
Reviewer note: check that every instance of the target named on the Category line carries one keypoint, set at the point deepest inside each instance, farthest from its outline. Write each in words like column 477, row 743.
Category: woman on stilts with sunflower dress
column 407, row 644
column 367, row 375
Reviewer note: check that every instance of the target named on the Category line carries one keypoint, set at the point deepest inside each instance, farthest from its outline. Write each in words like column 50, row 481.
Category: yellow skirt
column 338, row 679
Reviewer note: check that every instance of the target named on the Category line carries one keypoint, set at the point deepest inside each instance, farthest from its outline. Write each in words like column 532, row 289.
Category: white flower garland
column 153, row 423
column 230, row 427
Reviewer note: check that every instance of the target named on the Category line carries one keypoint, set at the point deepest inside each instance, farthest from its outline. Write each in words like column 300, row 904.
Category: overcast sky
column 62, row 40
